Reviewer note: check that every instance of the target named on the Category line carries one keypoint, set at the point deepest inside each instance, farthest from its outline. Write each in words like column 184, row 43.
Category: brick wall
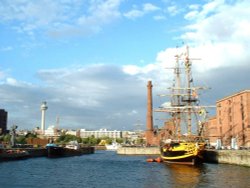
column 232, row 120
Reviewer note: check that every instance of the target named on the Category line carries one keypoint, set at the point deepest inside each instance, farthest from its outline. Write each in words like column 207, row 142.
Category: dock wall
column 88, row 150
column 37, row 152
column 42, row 152
column 138, row 151
column 236, row 157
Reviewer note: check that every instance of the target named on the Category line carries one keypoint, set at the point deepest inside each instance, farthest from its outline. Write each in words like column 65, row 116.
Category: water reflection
column 185, row 175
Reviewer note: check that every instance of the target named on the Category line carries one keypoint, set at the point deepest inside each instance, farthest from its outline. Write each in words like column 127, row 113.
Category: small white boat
column 73, row 145
column 113, row 146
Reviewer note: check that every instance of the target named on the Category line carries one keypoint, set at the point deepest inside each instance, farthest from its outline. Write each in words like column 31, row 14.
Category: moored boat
column 71, row 149
column 54, row 150
column 183, row 152
column 185, row 114
column 114, row 146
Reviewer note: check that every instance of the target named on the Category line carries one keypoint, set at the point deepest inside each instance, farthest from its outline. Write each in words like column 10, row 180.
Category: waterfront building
column 73, row 132
column 232, row 120
column 51, row 131
column 133, row 136
column 3, row 121
column 212, row 130
column 100, row 133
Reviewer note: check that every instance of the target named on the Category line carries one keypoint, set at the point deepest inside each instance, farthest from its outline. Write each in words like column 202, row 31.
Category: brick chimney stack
column 149, row 107
column 149, row 131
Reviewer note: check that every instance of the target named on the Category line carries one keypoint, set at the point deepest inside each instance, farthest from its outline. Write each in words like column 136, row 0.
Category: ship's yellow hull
column 183, row 152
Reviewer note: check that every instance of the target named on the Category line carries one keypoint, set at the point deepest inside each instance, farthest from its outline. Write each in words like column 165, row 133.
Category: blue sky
column 91, row 59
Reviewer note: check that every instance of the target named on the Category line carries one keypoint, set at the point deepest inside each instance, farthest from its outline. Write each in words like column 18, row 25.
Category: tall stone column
column 44, row 107
column 149, row 131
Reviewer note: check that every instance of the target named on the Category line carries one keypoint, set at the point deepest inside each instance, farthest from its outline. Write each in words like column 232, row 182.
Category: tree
column 21, row 140
column 91, row 140
column 119, row 140
column 67, row 138
column 31, row 135
column 6, row 138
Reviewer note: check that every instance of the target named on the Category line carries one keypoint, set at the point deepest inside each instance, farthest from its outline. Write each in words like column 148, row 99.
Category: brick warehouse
column 232, row 120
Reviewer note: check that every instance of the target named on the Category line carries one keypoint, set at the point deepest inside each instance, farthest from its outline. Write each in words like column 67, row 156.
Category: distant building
column 51, row 131
column 100, row 133
column 161, row 134
column 3, row 121
column 133, row 136
column 73, row 132
column 232, row 120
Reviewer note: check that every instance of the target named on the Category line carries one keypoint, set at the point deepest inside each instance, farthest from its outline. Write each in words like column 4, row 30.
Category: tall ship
column 185, row 143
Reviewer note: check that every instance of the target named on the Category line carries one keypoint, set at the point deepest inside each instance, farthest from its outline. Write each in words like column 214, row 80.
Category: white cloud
column 101, row 13
column 136, row 13
column 173, row 10
column 2, row 75
column 132, row 113
column 194, row 7
column 159, row 17
column 105, row 95
column 7, row 48
column 134, row 69
column 131, row 69
column 191, row 15
column 148, row 7
column 84, row 97
column 220, row 33
column 12, row 81
column 59, row 17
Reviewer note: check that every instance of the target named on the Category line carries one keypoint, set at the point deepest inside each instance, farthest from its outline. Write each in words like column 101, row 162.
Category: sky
column 90, row 60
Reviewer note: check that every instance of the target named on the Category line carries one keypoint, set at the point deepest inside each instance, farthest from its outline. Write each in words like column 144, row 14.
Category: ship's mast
column 184, row 95
column 188, row 65
column 178, row 96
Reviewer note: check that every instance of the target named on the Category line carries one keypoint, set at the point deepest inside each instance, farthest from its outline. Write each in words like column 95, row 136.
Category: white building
column 72, row 132
column 50, row 131
column 100, row 133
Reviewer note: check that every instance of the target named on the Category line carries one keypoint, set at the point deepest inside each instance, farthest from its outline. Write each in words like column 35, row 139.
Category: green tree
column 91, row 140
column 21, row 140
column 119, row 140
column 6, row 138
column 67, row 138
column 139, row 141
column 31, row 135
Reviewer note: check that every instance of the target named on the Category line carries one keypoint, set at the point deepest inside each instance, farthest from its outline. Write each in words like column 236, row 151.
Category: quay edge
column 234, row 157
column 138, row 151
column 42, row 152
